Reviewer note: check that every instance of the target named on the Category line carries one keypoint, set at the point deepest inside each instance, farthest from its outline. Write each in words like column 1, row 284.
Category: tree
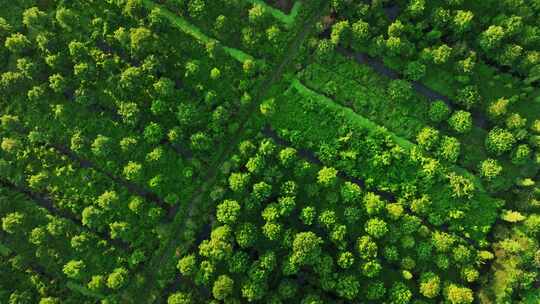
column 449, row 149
column 416, row 7
column 376, row 227
column 287, row 289
column 327, row 176
column 341, row 32
column 288, row 157
column 400, row 90
column 306, row 248
column 373, row 203
column 102, row 146
column 256, row 14
column 461, row 121
column 219, row 247
column 350, row 192
column 133, row 171
column 468, row 97
column 187, row 265
column 17, row 43
column 367, row 248
column 228, row 211
column 223, row 287
column 430, row 285
column 462, row 21
column 49, row 300
column 307, row 215
column 67, row 18
column 441, row 54
column 461, row 186
column 348, row 287
column 153, row 133
column 360, row 32
column 442, row 241
column 35, row 19
column 490, row 169
column 498, row 108
column 74, row 269
column 118, row 278
column 521, row 155
column 261, row 191
column 499, row 141
column 179, row 298
column 375, row 291
column 371, row 269
column 415, row 70
column 400, row 294
column 345, row 260
column 458, row 295
column 246, row 235
column 491, row 38
column 12, row 222
column 427, row 138
column 238, row 181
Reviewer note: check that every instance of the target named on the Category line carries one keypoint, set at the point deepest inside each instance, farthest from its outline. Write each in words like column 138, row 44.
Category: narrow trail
column 187, row 210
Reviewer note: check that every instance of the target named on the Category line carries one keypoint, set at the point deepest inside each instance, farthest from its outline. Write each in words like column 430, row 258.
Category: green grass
column 195, row 32
column 288, row 20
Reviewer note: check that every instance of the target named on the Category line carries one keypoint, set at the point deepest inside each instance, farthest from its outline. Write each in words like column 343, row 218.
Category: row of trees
column 240, row 24
column 288, row 225
column 486, row 62
column 110, row 114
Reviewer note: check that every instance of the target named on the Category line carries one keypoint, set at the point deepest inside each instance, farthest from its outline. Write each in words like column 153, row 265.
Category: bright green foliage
column 461, row 121
column 228, row 211
column 327, row 176
column 376, row 227
column 306, row 248
column 179, row 298
column 223, row 287
column 499, row 141
column 430, row 285
column 490, row 169
column 427, row 138
column 260, row 155
column 458, row 295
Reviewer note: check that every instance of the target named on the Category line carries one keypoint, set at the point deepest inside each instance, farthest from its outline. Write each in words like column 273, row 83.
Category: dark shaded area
column 392, row 12
column 284, row 5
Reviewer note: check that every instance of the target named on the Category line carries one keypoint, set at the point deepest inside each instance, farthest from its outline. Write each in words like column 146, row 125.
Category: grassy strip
column 364, row 122
column 349, row 114
column 278, row 14
column 312, row 121
column 194, row 31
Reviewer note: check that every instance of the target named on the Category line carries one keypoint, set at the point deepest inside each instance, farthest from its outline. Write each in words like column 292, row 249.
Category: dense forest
column 269, row 151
